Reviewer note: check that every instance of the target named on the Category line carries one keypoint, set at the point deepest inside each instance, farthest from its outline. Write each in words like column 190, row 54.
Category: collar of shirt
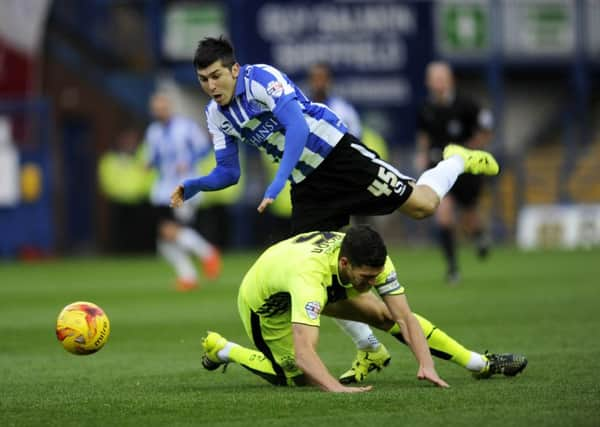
column 240, row 87
column 448, row 100
column 334, row 264
column 240, row 84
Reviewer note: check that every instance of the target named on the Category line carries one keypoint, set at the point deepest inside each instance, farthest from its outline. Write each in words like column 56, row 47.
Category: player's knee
column 387, row 324
column 425, row 208
column 381, row 320
column 422, row 203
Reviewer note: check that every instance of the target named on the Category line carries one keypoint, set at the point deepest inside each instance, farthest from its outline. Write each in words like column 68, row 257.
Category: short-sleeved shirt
column 296, row 277
column 261, row 91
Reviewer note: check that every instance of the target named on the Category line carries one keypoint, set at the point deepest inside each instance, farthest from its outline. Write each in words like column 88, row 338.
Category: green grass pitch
column 543, row 304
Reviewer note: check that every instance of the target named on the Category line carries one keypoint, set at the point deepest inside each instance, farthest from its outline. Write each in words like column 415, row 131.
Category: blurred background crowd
column 77, row 77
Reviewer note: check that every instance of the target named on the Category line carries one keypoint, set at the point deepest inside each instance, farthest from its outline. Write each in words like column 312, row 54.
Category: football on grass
column 82, row 328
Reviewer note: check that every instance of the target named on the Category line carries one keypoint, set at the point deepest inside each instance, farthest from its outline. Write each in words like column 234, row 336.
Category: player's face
column 160, row 107
column 218, row 81
column 361, row 277
column 319, row 83
column 440, row 82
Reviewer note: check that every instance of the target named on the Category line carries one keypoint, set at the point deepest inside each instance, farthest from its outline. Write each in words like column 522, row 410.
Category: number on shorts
column 385, row 183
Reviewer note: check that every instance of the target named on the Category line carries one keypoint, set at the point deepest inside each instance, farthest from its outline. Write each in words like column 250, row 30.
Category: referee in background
column 451, row 117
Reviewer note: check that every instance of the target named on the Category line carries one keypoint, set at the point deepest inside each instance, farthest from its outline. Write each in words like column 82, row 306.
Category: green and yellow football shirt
column 295, row 275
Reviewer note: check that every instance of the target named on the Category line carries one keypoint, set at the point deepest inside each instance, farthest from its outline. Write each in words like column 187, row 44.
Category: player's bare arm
column 413, row 334
column 307, row 359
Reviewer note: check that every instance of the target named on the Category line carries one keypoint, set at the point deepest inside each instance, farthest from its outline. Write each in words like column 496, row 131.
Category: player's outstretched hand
column 344, row 389
column 431, row 375
column 177, row 197
column 263, row 205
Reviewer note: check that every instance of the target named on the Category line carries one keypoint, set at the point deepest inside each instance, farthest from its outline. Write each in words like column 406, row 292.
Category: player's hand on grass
column 177, row 197
column 346, row 389
column 263, row 205
column 431, row 375
column 359, row 389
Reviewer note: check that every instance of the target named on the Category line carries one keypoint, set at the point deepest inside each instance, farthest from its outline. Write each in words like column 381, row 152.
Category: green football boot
column 364, row 363
column 212, row 344
column 477, row 162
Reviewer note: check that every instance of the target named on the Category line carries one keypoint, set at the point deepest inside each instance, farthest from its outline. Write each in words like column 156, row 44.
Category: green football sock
column 440, row 344
column 252, row 359
column 257, row 363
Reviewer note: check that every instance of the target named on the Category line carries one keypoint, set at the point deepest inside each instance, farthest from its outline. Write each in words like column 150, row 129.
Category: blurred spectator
column 126, row 182
column 451, row 117
column 174, row 146
column 9, row 166
column 320, row 81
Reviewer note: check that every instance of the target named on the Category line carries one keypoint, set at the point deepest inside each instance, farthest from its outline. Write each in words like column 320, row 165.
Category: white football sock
column 177, row 257
column 361, row 334
column 192, row 241
column 442, row 177
column 476, row 363
column 223, row 354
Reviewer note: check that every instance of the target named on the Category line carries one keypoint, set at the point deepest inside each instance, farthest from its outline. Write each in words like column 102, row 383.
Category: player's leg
column 434, row 183
column 446, row 224
column 167, row 247
column 371, row 355
column 184, row 268
column 192, row 241
column 361, row 334
column 275, row 359
column 368, row 358
column 369, row 309
column 481, row 365
column 467, row 192
column 219, row 351
column 473, row 224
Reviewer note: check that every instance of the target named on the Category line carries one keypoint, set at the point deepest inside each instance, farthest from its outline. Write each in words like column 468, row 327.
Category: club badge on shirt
column 275, row 88
column 313, row 309
column 226, row 126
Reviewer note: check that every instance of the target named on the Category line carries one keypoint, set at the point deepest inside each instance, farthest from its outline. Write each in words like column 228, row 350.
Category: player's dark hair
column 363, row 246
column 211, row 49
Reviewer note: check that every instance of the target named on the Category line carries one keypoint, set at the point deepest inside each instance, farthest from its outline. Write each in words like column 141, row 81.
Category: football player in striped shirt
column 173, row 146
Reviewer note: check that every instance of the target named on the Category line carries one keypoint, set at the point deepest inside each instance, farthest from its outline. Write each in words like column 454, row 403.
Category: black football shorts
column 467, row 190
column 352, row 180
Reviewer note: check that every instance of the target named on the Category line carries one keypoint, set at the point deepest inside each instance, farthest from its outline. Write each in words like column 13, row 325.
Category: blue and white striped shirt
column 260, row 92
column 174, row 149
